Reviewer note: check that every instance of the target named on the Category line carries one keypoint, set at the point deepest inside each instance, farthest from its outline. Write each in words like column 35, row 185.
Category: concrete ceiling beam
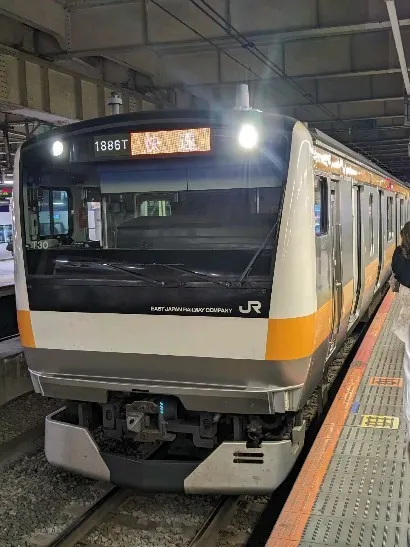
column 37, row 89
column 45, row 15
column 275, row 24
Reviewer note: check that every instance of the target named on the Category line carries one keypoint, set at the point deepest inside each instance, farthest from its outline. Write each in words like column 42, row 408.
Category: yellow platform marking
column 388, row 381
column 380, row 422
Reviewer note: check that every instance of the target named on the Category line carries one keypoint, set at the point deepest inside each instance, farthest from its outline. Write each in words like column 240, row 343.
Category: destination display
column 177, row 141
column 154, row 143
column 112, row 145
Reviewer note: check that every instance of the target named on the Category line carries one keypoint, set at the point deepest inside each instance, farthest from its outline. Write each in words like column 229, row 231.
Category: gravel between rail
column 24, row 413
column 123, row 519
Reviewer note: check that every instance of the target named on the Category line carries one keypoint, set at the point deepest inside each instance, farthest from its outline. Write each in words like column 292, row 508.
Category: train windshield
column 154, row 206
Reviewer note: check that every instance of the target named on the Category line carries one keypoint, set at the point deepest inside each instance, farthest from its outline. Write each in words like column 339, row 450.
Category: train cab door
column 336, row 268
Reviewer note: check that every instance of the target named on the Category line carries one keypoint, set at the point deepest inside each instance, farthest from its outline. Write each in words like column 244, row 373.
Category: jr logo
column 253, row 305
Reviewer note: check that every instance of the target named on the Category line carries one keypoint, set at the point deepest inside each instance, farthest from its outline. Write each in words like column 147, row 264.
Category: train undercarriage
column 155, row 444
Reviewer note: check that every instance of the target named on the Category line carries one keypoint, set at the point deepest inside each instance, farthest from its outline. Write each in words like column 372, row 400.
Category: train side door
column 336, row 269
column 358, row 272
column 380, row 240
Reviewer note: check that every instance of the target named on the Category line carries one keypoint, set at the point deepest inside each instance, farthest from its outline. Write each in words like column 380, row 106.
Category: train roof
column 321, row 138
column 116, row 121
column 214, row 116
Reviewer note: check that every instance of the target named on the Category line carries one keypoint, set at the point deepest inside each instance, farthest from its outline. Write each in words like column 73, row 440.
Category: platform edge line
column 290, row 526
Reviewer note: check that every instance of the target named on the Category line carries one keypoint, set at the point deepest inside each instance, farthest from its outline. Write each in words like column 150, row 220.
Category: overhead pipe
column 391, row 8
column 6, row 142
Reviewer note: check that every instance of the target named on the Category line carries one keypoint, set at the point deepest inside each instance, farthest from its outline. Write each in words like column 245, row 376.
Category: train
column 183, row 281
column 5, row 221
column 8, row 321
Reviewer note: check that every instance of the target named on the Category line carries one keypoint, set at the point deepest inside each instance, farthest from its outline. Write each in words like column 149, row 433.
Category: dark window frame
column 323, row 183
column 70, row 229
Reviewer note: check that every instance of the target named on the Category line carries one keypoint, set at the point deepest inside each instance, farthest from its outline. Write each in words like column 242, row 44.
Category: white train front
column 183, row 280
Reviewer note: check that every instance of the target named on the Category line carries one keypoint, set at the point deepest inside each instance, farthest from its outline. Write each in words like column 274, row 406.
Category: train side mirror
column 9, row 246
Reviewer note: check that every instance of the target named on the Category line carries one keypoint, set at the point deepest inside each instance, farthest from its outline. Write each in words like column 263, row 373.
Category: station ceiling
column 331, row 64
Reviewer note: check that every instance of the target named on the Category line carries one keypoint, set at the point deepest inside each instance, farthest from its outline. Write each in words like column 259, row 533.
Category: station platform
column 11, row 347
column 354, row 487
column 14, row 377
column 6, row 274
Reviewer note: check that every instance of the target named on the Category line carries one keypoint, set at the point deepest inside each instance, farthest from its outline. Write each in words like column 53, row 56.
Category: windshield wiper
column 111, row 266
column 136, row 274
column 193, row 272
column 252, row 261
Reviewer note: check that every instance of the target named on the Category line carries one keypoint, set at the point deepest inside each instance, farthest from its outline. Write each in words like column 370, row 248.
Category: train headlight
column 57, row 148
column 248, row 136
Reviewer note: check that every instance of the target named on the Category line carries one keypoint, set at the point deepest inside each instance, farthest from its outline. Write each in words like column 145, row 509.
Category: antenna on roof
column 115, row 102
column 242, row 97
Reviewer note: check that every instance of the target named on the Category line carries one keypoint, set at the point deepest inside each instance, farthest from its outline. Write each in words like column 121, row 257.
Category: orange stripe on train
column 299, row 337
column 388, row 254
column 25, row 329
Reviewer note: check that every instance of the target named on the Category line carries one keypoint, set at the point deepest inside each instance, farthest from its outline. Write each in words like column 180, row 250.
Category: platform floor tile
column 364, row 499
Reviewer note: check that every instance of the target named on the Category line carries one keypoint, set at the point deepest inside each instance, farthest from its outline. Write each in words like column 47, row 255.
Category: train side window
column 155, row 208
column 371, row 225
column 321, row 206
column 60, row 212
column 5, row 233
column 390, row 231
column 44, row 212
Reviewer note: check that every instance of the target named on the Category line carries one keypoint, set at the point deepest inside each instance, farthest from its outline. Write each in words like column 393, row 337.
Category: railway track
column 121, row 516
column 8, row 337
column 107, row 509
column 221, row 516
column 90, row 519
column 22, row 425
column 21, row 445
